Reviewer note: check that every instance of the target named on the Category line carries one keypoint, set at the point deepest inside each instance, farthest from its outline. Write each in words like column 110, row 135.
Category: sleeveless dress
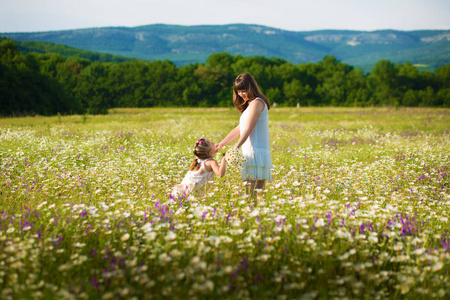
column 193, row 181
column 256, row 148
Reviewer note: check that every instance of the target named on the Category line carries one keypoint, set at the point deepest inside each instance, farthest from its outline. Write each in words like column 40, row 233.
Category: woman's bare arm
column 249, row 125
column 234, row 134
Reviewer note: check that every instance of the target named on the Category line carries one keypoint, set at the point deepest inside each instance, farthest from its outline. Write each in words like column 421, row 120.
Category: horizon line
column 217, row 25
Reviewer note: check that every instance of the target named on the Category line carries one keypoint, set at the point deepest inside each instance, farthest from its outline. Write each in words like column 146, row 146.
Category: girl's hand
column 218, row 147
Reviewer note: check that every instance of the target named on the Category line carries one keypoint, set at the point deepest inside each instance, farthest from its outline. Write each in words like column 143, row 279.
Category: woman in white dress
column 253, row 132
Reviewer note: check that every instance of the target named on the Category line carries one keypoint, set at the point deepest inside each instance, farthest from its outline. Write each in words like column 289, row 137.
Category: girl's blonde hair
column 202, row 150
column 246, row 82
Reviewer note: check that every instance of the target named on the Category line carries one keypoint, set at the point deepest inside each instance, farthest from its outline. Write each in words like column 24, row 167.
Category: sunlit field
column 358, row 208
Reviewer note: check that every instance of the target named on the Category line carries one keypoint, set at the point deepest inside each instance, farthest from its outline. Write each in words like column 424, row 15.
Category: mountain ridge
column 194, row 44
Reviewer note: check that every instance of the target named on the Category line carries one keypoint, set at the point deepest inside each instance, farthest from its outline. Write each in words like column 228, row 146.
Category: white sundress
column 256, row 148
column 193, row 181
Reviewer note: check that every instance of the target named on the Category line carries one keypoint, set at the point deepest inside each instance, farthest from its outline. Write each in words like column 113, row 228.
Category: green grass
column 358, row 207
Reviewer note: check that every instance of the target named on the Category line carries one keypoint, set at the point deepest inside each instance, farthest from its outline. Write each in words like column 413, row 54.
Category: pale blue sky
column 295, row 15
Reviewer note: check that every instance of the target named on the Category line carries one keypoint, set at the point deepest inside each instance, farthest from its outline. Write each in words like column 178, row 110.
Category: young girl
column 253, row 132
column 202, row 169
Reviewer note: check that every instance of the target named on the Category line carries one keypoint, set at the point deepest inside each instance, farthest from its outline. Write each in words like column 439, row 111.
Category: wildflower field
column 358, row 208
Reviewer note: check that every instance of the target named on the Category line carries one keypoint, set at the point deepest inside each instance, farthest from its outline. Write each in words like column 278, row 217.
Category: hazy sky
column 295, row 15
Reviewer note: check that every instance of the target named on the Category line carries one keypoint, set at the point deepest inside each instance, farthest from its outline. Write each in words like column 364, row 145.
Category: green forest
column 42, row 80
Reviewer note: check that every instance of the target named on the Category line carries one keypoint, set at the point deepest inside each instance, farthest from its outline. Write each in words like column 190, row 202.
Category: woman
column 253, row 132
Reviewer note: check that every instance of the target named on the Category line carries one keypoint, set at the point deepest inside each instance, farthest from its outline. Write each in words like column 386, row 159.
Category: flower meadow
column 358, row 208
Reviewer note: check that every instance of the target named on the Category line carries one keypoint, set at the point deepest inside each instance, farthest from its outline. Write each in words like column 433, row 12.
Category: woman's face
column 243, row 94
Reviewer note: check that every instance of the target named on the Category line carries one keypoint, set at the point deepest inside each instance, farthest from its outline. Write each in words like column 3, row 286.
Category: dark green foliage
column 66, row 51
column 24, row 90
column 50, row 83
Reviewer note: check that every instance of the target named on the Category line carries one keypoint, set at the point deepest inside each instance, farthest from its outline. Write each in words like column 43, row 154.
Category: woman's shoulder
column 259, row 102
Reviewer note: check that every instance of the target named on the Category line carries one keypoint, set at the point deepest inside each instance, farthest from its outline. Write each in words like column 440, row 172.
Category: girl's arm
column 234, row 133
column 218, row 170
column 249, row 125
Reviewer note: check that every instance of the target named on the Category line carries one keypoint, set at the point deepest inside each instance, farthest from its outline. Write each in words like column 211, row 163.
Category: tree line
column 44, row 47
column 50, row 83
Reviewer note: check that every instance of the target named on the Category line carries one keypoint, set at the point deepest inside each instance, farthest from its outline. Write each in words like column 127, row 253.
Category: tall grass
column 358, row 207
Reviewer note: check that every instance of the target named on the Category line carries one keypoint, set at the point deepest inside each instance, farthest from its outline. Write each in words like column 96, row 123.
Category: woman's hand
column 234, row 133
column 218, row 147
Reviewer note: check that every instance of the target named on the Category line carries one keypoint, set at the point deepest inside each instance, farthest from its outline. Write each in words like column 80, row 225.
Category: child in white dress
column 201, row 171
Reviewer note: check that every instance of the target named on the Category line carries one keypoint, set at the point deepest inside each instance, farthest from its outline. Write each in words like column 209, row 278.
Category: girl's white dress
column 256, row 148
column 193, row 181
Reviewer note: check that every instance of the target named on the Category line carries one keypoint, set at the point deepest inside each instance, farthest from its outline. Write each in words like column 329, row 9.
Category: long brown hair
column 246, row 82
column 202, row 150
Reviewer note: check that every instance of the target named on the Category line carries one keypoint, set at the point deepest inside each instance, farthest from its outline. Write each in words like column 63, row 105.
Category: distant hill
column 45, row 47
column 428, row 49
